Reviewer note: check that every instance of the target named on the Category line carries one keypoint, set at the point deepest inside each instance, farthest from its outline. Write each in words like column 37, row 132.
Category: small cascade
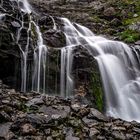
column 40, row 51
column 54, row 24
column 25, row 9
column 40, row 54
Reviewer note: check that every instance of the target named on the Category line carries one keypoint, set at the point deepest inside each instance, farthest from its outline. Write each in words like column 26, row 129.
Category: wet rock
column 4, row 117
column 116, row 22
column 95, row 114
column 90, row 122
column 28, row 129
column 118, row 135
column 5, row 132
column 135, row 26
column 137, row 130
column 109, row 12
column 75, row 107
column 72, row 138
column 55, row 39
column 119, row 128
column 47, row 131
column 15, row 24
column 56, row 112
column 49, row 138
column 138, row 42
column 39, row 100
column 93, row 133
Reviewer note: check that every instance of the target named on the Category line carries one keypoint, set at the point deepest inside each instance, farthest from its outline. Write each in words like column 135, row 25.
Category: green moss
column 130, row 36
column 97, row 91
column 131, row 21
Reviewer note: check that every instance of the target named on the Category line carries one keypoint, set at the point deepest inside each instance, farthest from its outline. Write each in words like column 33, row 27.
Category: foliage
column 97, row 91
column 130, row 36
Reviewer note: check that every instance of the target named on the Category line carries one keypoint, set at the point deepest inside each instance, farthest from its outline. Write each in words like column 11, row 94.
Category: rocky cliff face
column 118, row 19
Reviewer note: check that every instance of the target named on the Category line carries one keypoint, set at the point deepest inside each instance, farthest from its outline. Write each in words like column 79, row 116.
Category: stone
column 35, row 101
column 95, row 114
column 119, row 128
column 118, row 135
column 4, row 117
column 75, row 107
column 90, row 122
column 72, row 138
column 137, row 130
column 47, row 131
column 5, row 130
column 135, row 26
column 93, row 132
column 116, row 22
column 28, row 129
column 49, row 138
column 109, row 12
column 135, row 15
column 58, row 112
column 55, row 39
column 137, row 42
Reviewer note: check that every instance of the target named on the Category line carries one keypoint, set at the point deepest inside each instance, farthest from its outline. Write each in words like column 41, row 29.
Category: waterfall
column 119, row 68
column 119, row 64
column 40, row 63
column 40, row 52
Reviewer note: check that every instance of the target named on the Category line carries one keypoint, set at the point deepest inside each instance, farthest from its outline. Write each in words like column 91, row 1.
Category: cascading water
column 119, row 65
column 40, row 51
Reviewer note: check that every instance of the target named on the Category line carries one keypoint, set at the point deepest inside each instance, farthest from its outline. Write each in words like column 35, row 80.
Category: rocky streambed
column 34, row 116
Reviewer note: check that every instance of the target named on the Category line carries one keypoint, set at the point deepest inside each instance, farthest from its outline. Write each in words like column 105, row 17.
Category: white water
column 118, row 66
column 25, row 8
column 40, row 52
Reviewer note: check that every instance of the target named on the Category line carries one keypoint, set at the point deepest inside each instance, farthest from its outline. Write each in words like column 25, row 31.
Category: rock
column 95, row 114
column 27, row 129
column 135, row 15
column 116, row 22
column 109, row 12
column 5, row 132
column 49, row 138
column 135, row 26
column 47, row 131
column 118, row 135
column 75, row 107
column 4, row 117
column 15, row 24
column 56, row 112
column 69, row 134
column 93, row 133
column 138, row 42
column 137, row 130
column 55, row 39
column 90, row 122
column 39, row 100
column 119, row 128
column 101, row 138
column 72, row 138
